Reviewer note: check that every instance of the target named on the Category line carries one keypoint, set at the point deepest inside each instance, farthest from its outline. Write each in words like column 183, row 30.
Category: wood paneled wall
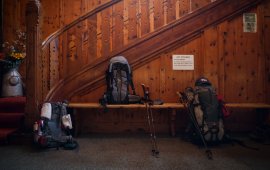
column 108, row 31
column 237, row 63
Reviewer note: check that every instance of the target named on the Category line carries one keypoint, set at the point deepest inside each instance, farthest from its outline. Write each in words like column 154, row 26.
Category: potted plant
column 13, row 55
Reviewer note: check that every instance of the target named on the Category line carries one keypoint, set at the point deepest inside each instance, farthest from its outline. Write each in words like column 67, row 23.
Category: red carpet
column 11, row 116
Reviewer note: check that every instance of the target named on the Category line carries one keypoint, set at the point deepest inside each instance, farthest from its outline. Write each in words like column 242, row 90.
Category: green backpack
column 207, row 111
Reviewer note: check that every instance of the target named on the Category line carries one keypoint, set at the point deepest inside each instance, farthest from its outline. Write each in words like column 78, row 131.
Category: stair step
column 11, row 120
column 12, row 104
column 19, row 138
column 5, row 133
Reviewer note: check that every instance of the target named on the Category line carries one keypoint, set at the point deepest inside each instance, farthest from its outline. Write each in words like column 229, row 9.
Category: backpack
column 53, row 130
column 119, row 79
column 207, row 111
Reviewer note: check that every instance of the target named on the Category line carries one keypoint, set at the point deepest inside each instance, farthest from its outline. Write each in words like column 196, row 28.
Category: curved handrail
column 85, row 16
column 194, row 24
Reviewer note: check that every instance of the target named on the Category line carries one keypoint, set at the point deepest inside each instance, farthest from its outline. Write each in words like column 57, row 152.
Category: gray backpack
column 119, row 80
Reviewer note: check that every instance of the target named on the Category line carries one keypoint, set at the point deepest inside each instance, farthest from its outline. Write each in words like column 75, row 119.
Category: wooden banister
column 80, row 19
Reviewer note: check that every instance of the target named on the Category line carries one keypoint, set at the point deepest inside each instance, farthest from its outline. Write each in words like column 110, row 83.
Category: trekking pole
column 153, row 129
column 184, row 99
column 150, row 120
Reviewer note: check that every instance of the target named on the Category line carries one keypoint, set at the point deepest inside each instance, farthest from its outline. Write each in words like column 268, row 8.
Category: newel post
column 33, row 62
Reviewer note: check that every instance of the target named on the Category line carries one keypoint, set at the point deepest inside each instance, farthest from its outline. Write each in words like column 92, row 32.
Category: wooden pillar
column 33, row 62
column 1, row 23
column 1, row 39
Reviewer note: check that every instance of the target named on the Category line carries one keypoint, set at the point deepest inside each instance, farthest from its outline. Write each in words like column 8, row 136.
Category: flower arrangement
column 14, row 52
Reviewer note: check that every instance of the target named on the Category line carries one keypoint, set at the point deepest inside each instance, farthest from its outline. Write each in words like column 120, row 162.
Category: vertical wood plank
column 145, row 17
column 92, row 38
column 132, row 20
column 158, row 14
column 151, row 15
column 105, row 32
column 72, row 55
column 61, row 11
column 234, row 73
column 167, row 78
column 140, row 76
column 54, row 63
column 51, row 17
column 118, row 26
column 99, row 35
column 71, row 10
column 211, row 63
column 65, row 54
column 85, row 42
column 222, row 40
column 139, row 19
column 171, row 10
column 259, row 52
column 61, row 56
column 162, row 84
column 125, row 20
column 266, row 8
column 194, row 48
column 154, row 78
column 79, row 34
column 182, row 8
column 165, row 11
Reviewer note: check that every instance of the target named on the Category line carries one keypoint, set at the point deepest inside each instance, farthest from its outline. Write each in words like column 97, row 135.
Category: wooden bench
column 260, row 108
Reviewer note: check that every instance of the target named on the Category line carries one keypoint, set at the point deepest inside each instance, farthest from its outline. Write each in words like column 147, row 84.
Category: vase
column 12, row 83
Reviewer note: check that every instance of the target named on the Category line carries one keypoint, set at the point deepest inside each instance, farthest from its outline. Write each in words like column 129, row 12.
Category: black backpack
column 207, row 111
column 119, row 79
column 53, row 130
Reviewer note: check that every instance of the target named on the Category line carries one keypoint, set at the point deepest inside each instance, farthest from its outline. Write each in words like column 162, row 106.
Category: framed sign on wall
column 250, row 22
column 183, row 62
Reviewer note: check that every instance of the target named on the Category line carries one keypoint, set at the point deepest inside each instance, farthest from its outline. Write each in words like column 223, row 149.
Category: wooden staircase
column 149, row 47
column 51, row 76
column 11, row 116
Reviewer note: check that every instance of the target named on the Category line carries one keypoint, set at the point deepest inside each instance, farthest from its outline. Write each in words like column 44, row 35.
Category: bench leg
column 76, row 122
column 172, row 121
column 262, row 116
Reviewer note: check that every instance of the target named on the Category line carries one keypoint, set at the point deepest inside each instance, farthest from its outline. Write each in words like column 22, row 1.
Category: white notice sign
column 183, row 62
column 250, row 22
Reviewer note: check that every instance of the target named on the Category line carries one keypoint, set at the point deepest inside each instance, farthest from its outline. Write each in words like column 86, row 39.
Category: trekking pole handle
column 145, row 92
column 182, row 97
